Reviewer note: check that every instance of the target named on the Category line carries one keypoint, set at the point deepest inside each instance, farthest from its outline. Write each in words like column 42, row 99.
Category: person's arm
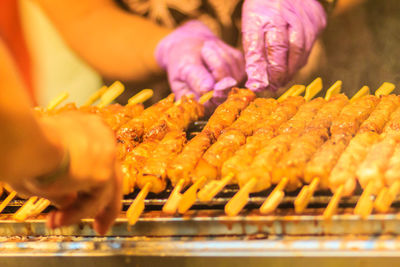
column 117, row 44
column 25, row 150
column 69, row 158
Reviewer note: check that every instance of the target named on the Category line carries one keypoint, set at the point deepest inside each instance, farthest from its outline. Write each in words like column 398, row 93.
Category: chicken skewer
column 274, row 153
column 153, row 176
column 386, row 196
column 151, row 170
column 131, row 133
column 32, row 208
column 274, row 199
column 342, row 179
column 293, row 163
column 252, row 180
column 371, row 172
column 181, row 167
column 243, row 157
column 331, row 113
column 391, row 176
column 305, row 194
column 342, row 130
column 113, row 114
column 177, row 117
column 232, row 138
column 218, row 154
column 265, row 129
column 209, row 166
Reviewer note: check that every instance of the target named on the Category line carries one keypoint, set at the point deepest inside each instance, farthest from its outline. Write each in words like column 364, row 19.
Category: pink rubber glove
column 277, row 39
column 197, row 61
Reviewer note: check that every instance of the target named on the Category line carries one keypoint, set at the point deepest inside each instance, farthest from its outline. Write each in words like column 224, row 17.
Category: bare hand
column 92, row 186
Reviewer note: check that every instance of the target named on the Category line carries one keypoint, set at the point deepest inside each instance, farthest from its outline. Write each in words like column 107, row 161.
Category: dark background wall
column 362, row 47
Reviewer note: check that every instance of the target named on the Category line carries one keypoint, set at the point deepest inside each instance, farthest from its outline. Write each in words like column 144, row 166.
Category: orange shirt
column 12, row 34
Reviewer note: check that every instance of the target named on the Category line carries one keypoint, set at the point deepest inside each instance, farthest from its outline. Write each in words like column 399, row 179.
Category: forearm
column 118, row 44
column 25, row 150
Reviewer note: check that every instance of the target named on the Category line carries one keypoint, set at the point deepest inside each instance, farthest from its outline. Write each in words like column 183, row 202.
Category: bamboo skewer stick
column 8, row 199
column 209, row 191
column 386, row 197
column 190, row 196
column 137, row 207
column 95, row 96
column 313, row 89
column 40, row 206
column 333, row 203
column 114, row 91
column 240, row 199
column 335, row 89
column 141, row 97
column 307, row 191
column 295, row 90
column 23, row 212
column 275, row 198
column 57, row 101
column 362, row 92
column 305, row 195
column 206, row 97
column 174, row 198
column 385, row 89
column 365, row 203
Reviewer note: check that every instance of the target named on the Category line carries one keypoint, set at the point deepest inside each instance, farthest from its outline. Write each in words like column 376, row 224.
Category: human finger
column 215, row 60
column 180, row 88
column 106, row 217
column 199, row 79
column 297, row 53
column 276, row 49
column 85, row 206
column 235, row 60
column 254, row 53
column 220, row 93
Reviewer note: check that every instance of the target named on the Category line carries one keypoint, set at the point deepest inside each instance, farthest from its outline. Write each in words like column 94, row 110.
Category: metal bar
column 210, row 224
column 385, row 246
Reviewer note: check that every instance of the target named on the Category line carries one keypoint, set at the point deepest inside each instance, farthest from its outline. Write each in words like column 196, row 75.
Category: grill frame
column 206, row 231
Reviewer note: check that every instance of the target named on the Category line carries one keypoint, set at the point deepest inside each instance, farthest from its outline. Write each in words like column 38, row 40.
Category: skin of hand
column 197, row 61
column 277, row 39
column 92, row 187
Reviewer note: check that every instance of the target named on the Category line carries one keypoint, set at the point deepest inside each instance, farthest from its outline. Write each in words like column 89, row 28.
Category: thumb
column 220, row 93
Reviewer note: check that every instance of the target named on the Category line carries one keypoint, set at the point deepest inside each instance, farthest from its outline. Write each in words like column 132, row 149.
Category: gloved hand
column 197, row 61
column 277, row 39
